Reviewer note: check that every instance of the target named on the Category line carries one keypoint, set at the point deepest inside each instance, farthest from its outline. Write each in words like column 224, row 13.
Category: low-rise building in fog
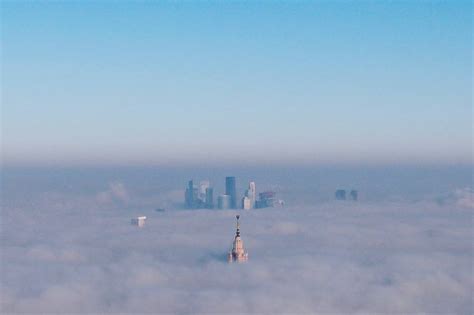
column 138, row 221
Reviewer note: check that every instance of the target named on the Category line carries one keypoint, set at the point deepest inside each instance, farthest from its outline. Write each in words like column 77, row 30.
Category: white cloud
column 461, row 197
column 284, row 228
column 115, row 192
column 465, row 198
column 63, row 253
column 42, row 253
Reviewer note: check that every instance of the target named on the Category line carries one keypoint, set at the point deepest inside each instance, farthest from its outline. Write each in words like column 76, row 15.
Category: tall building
column 209, row 198
column 196, row 196
column 203, row 185
column 231, row 190
column 354, row 194
column 340, row 194
column 251, row 193
column 246, row 204
column 238, row 253
column 189, row 195
column 224, row 202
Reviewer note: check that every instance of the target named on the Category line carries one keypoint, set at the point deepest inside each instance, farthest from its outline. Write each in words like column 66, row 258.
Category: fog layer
column 68, row 246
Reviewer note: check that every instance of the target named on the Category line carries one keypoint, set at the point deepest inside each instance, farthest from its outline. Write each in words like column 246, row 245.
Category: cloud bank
column 66, row 252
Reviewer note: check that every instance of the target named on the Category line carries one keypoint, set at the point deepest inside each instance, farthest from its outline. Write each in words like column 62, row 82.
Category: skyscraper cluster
column 267, row 199
column 201, row 196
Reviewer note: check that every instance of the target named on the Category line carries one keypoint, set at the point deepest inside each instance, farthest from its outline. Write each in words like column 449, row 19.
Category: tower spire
column 238, row 252
column 237, row 233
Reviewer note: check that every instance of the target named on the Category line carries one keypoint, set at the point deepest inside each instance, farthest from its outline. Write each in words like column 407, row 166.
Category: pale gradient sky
column 307, row 82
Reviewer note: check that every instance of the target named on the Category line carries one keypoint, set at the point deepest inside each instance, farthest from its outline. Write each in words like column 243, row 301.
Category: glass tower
column 231, row 191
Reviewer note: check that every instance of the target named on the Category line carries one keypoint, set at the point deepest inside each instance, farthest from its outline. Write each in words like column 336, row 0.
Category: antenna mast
column 238, row 225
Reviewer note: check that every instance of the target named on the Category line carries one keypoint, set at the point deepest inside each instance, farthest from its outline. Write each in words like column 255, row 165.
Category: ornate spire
column 238, row 252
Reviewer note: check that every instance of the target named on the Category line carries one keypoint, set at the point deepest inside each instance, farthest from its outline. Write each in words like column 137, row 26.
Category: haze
column 110, row 110
column 214, row 82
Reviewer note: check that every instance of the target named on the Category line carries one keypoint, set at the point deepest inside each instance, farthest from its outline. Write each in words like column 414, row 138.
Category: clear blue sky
column 264, row 82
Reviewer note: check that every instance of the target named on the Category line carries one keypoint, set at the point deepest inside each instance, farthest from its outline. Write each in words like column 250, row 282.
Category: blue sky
column 242, row 82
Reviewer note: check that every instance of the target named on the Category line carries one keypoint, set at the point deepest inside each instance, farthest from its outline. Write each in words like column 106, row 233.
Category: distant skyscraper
column 195, row 197
column 267, row 199
column 203, row 185
column 251, row 193
column 209, row 198
column 246, row 203
column 231, row 190
column 354, row 194
column 189, row 195
column 224, row 202
column 340, row 194
column 238, row 253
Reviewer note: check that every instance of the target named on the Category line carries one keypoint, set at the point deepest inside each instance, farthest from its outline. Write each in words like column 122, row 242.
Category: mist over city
column 236, row 157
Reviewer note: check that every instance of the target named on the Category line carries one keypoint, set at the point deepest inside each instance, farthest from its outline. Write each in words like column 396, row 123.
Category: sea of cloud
column 68, row 247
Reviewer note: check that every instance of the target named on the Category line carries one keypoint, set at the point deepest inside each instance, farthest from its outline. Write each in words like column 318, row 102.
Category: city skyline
column 236, row 83
column 410, row 229
column 244, row 157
